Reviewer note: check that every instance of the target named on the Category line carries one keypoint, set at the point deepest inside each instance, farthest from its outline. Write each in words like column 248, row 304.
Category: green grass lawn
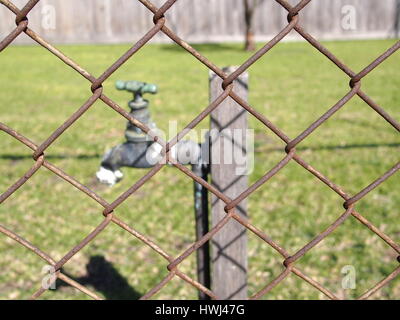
column 292, row 85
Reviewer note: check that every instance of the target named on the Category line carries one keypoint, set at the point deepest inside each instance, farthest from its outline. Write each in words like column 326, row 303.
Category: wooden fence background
column 115, row 21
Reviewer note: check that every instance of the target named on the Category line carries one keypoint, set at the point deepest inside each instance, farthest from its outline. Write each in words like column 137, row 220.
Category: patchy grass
column 292, row 85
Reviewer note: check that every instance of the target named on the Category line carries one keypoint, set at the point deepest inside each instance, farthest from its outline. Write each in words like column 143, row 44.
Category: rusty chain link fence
column 172, row 263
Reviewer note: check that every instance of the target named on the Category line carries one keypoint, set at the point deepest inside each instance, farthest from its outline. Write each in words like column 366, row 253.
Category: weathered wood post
column 229, row 245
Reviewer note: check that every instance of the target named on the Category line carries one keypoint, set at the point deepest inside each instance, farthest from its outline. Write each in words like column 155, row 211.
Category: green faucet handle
column 136, row 87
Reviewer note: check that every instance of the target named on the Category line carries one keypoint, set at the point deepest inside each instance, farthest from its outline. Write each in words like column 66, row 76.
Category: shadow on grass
column 207, row 47
column 350, row 146
column 16, row 157
column 104, row 278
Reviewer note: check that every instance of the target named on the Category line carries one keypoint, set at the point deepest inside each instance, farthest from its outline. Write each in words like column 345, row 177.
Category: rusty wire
column 173, row 263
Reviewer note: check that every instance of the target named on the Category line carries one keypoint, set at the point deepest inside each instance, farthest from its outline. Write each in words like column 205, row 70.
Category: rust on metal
column 172, row 263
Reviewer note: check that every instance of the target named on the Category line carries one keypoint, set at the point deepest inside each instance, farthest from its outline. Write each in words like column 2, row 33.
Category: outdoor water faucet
column 139, row 108
column 139, row 150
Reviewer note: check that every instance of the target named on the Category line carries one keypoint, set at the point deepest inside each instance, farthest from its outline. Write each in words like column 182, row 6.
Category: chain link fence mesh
column 172, row 263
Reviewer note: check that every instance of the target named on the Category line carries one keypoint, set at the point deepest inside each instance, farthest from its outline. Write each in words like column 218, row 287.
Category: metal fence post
column 229, row 245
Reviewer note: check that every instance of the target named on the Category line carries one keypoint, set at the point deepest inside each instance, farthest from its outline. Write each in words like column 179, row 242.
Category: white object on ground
column 109, row 177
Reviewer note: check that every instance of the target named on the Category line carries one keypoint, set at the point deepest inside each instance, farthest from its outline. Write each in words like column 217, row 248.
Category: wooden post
column 229, row 245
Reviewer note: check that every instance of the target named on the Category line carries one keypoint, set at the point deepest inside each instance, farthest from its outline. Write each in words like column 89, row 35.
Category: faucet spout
column 144, row 154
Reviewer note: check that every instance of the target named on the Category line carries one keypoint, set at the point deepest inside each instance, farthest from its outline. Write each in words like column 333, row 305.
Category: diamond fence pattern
column 172, row 263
